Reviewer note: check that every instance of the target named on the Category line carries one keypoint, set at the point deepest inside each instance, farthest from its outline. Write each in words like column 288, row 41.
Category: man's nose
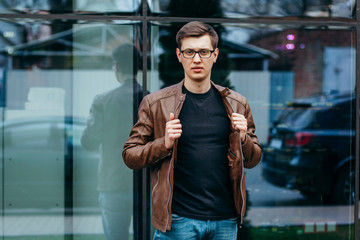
column 197, row 57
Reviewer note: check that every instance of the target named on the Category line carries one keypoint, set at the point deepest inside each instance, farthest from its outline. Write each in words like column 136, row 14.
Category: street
column 273, row 206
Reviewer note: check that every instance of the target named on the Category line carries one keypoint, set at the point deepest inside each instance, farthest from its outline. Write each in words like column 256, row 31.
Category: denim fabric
column 116, row 212
column 183, row 228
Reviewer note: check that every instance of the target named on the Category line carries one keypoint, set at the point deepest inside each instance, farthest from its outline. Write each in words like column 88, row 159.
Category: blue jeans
column 183, row 228
column 116, row 212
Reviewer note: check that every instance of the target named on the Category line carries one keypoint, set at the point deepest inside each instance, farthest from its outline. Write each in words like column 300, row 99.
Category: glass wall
column 129, row 7
column 300, row 84
column 254, row 8
column 68, row 97
column 72, row 75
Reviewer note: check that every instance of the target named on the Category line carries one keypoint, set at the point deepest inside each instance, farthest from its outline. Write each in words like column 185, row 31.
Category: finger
column 171, row 131
column 174, row 126
column 172, row 116
column 170, row 125
column 172, row 137
column 241, row 127
column 241, row 130
column 237, row 115
column 240, row 122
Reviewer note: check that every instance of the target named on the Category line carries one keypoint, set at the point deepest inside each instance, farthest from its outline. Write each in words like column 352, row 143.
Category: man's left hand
column 239, row 122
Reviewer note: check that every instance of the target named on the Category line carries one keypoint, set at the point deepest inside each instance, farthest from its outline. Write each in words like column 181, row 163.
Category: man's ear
column 178, row 54
column 216, row 54
column 115, row 67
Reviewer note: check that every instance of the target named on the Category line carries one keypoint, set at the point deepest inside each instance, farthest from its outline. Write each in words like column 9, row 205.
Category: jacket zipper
column 241, row 182
column 157, row 182
column 168, row 201
column 242, row 172
column 170, row 167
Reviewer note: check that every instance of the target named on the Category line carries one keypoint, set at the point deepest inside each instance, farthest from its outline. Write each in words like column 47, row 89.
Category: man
column 196, row 137
column 110, row 120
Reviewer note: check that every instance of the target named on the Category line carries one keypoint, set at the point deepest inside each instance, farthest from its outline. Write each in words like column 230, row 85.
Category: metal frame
column 142, row 177
column 357, row 143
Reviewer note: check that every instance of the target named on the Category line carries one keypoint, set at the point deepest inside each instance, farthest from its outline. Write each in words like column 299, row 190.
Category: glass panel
column 252, row 8
column 300, row 85
column 128, row 7
column 106, row 91
column 35, row 150
column 59, row 159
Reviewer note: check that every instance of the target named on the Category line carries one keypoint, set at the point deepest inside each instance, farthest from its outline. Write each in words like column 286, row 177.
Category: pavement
column 285, row 216
column 311, row 217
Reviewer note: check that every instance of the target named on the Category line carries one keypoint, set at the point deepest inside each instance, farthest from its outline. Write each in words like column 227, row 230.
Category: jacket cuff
column 163, row 152
column 245, row 146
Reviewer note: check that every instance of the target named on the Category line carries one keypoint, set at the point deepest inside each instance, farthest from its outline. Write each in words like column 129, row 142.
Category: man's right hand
column 172, row 131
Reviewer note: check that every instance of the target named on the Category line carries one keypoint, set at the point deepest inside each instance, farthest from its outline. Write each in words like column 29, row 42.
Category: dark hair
column 197, row 29
column 122, row 56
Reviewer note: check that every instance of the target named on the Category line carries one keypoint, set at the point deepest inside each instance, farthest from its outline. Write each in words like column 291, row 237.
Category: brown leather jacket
column 146, row 148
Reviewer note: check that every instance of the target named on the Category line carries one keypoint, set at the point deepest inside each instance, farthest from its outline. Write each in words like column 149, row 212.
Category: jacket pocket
column 231, row 157
column 234, row 153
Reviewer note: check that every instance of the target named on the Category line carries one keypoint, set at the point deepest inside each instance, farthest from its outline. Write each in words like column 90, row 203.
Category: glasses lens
column 205, row 53
column 188, row 53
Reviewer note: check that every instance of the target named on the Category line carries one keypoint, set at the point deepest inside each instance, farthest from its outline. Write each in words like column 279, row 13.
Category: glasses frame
column 197, row 52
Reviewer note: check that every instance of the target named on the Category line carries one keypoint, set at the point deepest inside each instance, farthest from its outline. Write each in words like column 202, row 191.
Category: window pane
column 107, row 92
column 128, row 7
column 68, row 97
column 253, row 8
column 300, row 84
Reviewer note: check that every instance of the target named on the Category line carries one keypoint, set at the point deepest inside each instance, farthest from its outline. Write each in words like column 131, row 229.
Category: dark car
column 311, row 148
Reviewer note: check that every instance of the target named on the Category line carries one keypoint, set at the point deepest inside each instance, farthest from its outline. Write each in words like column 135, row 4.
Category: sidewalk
column 280, row 216
column 17, row 225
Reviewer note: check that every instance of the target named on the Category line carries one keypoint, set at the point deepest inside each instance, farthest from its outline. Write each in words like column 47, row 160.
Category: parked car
column 43, row 158
column 311, row 148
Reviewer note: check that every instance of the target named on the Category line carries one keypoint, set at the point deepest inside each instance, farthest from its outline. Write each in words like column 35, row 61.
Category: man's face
column 197, row 69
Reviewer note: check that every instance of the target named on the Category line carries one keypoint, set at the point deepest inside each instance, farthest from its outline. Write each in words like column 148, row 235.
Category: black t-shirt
column 202, row 186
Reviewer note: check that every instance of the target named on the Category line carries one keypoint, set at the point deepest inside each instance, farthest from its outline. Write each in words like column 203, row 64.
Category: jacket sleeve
column 92, row 134
column 141, row 149
column 250, row 147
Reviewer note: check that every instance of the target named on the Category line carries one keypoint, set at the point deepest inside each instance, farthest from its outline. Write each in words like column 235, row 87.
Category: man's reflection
column 110, row 120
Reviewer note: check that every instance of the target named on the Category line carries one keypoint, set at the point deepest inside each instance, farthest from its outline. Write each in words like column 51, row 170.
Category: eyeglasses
column 203, row 53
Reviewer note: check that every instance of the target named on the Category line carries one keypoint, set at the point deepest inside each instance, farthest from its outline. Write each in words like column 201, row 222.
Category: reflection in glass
column 35, row 6
column 50, row 74
column 108, row 125
column 249, row 8
column 127, row 6
column 69, row 6
column 36, row 147
column 300, row 85
column 112, row 94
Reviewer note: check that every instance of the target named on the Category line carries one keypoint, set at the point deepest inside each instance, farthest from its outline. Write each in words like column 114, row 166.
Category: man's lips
column 197, row 69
